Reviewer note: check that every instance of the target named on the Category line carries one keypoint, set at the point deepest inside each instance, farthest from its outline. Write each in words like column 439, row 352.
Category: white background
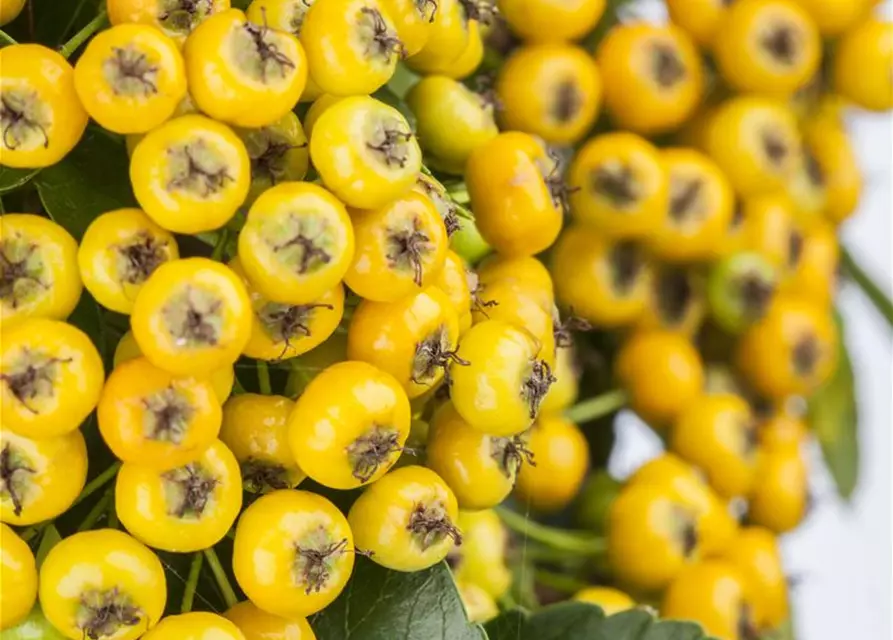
column 842, row 555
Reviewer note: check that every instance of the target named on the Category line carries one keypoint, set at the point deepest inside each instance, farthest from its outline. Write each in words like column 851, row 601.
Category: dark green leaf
column 12, row 179
column 91, row 180
column 51, row 22
column 508, row 625
column 6, row 39
column 389, row 97
column 49, row 539
column 833, row 416
column 583, row 621
column 176, row 571
column 379, row 604
column 402, row 81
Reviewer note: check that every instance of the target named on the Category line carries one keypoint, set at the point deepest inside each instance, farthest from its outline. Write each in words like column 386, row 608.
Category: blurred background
column 841, row 558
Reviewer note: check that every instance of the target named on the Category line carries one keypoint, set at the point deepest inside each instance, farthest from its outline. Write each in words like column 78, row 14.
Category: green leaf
column 379, row 604
column 833, row 416
column 583, row 621
column 91, row 180
column 390, row 98
column 50, row 538
column 12, row 179
column 51, row 22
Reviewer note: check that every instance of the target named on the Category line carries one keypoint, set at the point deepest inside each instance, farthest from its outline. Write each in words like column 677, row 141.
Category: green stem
column 98, row 483
column 83, row 35
column 263, row 378
column 877, row 296
column 74, row 17
column 113, row 513
column 195, row 570
column 597, row 407
column 229, row 596
column 580, row 543
column 96, row 512
column 559, row 581
column 31, row 532
column 459, row 193
column 220, row 245
column 238, row 389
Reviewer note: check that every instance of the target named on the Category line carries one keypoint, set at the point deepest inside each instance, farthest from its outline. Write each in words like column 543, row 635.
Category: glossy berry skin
column 453, row 280
column 18, row 572
column 662, row 373
column 156, row 419
column 624, row 190
column 564, row 391
column 280, row 331
column 38, row 86
column 700, row 208
column 176, row 24
column 10, row 10
column 778, row 499
column 550, row 21
column 448, row 37
column 520, row 305
column 676, row 300
column 526, row 271
column 400, row 248
column 198, row 625
column 550, row 90
column 715, row 524
column 482, row 557
column 412, row 339
column 349, row 426
column 221, row 380
column 514, row 206
column 255, row 429
column 792, row 350
column 652, row 535
column 862, row 63
column 755, row 141
column 365, row 152
column 610, row 600
column 718, row 434
column 406, row 519
column 700, row 19
column 130, row 78
column 767, row 46
column 118, row 253
column 51, row 376
column 89, row 571
column 190, row 174
column 500, row 389
column 279, row 153
column 297, row 243
column 42, row 478
column 309, row 549
column 452, row 119
column 606, row 283
column 352, row 46
column 652, row 77
column 831, row 148
column 185, row 509
column 257, row 624
column 192, row 316
column 714, row 594
column 48, row 284
column 561, row 454
column 479, row 469
column 755, row 553
column 242, row 73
